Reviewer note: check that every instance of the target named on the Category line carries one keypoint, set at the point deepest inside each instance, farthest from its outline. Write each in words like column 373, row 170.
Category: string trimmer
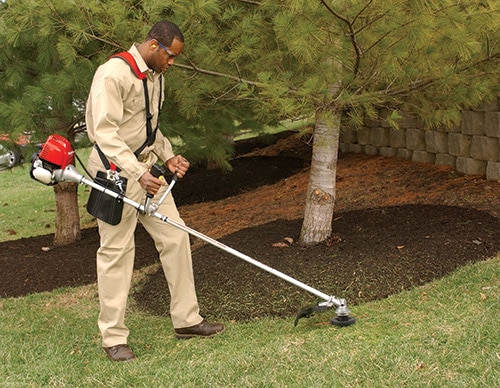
column 54, row 164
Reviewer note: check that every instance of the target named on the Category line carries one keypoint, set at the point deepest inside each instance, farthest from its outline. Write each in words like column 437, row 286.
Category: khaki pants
column 115, row 261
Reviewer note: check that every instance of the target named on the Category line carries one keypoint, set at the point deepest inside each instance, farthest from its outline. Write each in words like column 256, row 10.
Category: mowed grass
column 444, row 334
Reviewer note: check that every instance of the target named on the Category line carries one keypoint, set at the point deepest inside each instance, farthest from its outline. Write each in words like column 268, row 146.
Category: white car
column 9, row 157
column 12, row 152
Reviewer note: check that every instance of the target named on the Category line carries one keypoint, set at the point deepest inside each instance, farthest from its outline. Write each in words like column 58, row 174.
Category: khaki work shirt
column 116, row 115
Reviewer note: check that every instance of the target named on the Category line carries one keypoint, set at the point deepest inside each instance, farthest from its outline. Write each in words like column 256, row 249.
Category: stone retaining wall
column 472, row 147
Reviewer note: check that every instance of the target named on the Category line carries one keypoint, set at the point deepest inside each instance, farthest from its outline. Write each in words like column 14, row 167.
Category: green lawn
column 445, row 334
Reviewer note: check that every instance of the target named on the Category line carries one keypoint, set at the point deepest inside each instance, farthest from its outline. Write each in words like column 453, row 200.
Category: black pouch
column 103, row 206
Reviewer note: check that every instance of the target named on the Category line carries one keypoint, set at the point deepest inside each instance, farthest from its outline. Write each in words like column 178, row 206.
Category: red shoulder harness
column 129, row 59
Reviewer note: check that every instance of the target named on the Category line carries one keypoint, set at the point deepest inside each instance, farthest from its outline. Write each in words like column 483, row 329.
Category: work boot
column 203, row 329
column 120, row 353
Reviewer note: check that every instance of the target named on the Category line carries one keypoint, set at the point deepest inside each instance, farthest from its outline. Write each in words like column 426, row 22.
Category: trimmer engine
column 55, row 154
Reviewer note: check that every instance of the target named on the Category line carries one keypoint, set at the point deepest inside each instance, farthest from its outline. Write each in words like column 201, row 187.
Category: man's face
column 164, row 56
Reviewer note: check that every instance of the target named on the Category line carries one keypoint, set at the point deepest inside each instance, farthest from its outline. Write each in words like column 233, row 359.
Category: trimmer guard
column 342, row 318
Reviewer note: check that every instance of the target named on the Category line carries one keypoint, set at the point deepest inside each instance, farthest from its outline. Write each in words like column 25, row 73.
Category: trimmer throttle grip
column 157, row 171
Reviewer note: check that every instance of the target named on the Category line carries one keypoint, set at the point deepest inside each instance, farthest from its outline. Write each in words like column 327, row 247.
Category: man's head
column 165, row 32
column 163, row 43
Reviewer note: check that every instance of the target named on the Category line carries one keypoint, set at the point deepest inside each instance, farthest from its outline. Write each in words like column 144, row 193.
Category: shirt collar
column 138, row 59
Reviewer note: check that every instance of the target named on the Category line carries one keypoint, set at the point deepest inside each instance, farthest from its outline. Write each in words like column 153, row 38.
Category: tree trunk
column 320, row 200
column 67, row 215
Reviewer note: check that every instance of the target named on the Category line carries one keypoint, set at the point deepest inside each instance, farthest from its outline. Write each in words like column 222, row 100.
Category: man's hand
column 151, row 184
column 178, row 165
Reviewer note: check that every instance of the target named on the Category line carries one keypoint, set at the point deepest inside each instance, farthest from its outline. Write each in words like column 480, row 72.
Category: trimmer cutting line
column 54, row 164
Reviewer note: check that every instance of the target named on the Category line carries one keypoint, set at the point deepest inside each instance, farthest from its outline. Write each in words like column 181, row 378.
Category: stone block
column 388, row 152
column 379, row 137
column 423, row 157
column 404, row 153
column 363, row 136
column 470, row 166
column 371, row 150
column 454, row 128
column 344, row 147
column 492, row 124
column 348, row 135
column 493, row 171
column 485, row 148
column 490, row 106
column 397, row 138
column 430, row 144
column 436, row 142
column 472, row 123
column 441, row 142
column 459, row 144
column 408, row 121
column 356, row 148
column 375, row 122
column 415, row 139
column 446, row 160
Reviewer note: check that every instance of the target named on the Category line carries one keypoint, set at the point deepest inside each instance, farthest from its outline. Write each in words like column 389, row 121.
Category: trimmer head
column 343, row 321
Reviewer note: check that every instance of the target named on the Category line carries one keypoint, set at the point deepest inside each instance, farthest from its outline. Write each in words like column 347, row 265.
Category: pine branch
column 249, row 2
column 90, row 36
column 352, row 34
column 197, row 69
column 424, row 83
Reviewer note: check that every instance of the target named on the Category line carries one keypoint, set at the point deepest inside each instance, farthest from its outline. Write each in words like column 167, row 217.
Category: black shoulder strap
column 150, row 133
column 107, row 165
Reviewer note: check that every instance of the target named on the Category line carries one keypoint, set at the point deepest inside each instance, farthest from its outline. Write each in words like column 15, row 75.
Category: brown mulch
column 397, row 225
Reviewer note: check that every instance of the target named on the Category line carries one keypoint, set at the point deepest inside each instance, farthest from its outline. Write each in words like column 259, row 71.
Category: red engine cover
column 58, row 151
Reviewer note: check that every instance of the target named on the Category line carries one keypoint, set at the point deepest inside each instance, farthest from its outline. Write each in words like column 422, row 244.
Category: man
column 116, row 123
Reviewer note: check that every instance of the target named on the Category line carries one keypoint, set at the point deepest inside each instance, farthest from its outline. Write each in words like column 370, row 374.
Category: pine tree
column 51, row 50
column 340, row 62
